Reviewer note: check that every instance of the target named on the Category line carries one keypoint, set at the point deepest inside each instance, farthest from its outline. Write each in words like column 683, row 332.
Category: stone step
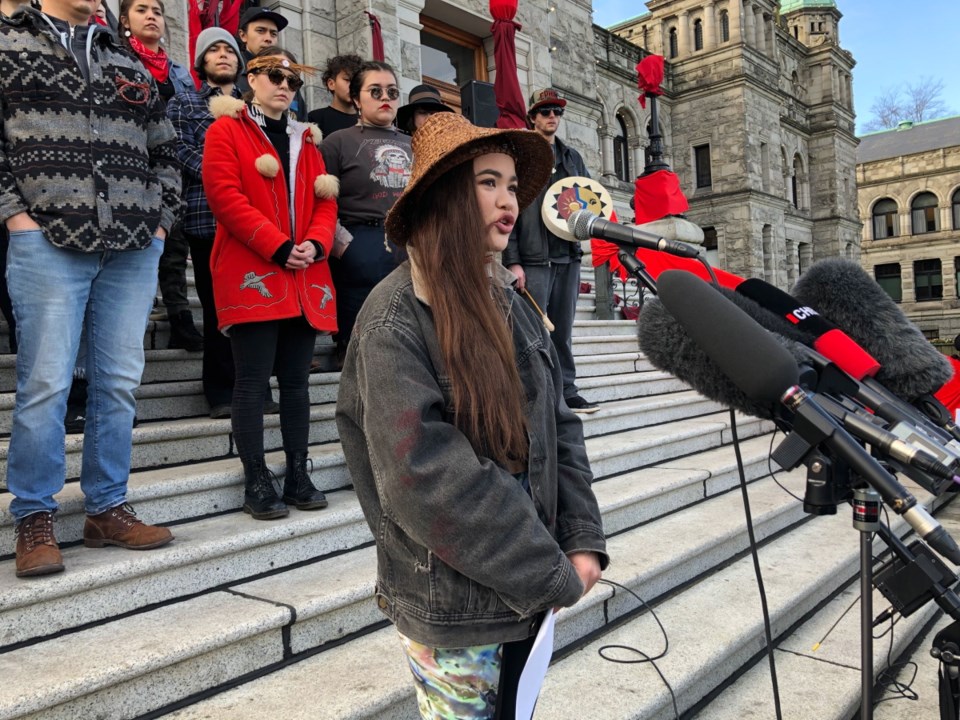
column 169, row 494
column 605, row 388
column 652, row 559
column 612, row 364
column 99, row 584
column 329, row 599
column 175, row 442
column 183, row 399
column 833, row 668
column 593, row 328
column 801, row 570
column 593, row 345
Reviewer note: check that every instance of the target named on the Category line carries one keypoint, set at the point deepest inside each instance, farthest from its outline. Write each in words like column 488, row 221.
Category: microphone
column 843, row 292
column 670, row 348
column 768, row 375
column 584, row 225
column 841, row 349
column 829, row 340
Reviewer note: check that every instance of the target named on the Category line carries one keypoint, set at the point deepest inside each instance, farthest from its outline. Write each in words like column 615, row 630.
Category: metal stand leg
column 866, row 519
column 866, row 625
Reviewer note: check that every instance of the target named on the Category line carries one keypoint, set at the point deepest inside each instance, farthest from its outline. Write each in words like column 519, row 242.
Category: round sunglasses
column 376, row 92
column 278, row 76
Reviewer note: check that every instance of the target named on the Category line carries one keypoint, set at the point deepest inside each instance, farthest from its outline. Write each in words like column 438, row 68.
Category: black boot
column 260, row 498
column 298, row 489
column 184, row 334
column 75, row 419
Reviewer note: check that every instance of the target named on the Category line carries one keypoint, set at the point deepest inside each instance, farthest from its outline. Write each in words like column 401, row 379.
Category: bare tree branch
column 919, row 101
column 925, row 101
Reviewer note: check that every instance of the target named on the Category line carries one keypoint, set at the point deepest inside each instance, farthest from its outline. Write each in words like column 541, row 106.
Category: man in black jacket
column 548, row 266
column 260, row 28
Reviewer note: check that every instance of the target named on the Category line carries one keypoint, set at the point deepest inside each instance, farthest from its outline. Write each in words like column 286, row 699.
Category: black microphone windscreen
column 845, row 294
column 669, row 348
column 667, row 344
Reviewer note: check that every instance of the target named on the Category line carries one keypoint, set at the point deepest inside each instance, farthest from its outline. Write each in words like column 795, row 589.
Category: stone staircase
column 239, row 618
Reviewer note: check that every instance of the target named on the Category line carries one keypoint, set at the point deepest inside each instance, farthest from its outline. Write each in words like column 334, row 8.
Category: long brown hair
column 472, row 325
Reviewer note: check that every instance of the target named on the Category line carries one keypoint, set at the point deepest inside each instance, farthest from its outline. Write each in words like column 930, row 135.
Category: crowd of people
column 375, row 223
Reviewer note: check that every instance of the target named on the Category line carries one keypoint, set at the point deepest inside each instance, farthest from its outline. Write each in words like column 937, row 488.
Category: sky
column 895, row 42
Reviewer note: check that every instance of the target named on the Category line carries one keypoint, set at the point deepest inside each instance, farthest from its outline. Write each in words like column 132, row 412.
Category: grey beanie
column 210, row 37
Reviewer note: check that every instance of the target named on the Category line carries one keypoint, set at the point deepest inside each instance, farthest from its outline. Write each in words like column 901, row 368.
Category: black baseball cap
column 262, row 13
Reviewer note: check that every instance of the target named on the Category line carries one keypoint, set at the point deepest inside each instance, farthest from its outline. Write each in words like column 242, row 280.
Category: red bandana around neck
column 156, row 62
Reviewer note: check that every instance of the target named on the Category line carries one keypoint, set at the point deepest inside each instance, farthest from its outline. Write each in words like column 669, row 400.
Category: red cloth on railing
column 657, row 195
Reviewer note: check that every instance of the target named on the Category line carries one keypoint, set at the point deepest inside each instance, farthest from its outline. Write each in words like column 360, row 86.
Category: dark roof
column 921, row 137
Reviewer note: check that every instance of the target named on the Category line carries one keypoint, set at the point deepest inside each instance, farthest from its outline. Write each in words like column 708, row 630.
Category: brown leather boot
column 37, row 551
column 120, row 526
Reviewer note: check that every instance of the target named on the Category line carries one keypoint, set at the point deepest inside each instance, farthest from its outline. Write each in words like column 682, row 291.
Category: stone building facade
column 909, row 194
column 758, row 90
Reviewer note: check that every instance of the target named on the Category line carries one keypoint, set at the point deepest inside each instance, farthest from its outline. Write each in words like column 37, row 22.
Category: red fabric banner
column 506, row 84
column 650, row 77
column 377, row 36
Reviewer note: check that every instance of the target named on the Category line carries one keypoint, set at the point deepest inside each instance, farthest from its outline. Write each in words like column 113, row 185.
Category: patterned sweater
column 94, row 163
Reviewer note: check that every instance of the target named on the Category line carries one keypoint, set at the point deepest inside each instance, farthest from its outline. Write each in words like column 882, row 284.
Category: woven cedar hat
column 446, row 140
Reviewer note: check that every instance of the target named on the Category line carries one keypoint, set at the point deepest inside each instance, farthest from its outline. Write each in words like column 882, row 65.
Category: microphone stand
column 913, row 577
column 636, row 267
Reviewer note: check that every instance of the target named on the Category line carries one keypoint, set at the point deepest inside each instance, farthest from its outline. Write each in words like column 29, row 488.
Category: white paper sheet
column 531, row 679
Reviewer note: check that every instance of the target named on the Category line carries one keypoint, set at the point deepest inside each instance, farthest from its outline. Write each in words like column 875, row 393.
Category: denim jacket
column 466, row 556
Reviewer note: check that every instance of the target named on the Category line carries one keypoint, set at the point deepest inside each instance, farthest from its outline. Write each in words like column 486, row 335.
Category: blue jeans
column 56, row 294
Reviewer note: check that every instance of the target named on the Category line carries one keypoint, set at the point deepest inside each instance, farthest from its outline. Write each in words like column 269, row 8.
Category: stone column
column 709, row 26
column 749, row 32
column 683, row 33
column 734, row 12
column 664, row 40
column 408, row 13
column 606, row 148
column 758, row 29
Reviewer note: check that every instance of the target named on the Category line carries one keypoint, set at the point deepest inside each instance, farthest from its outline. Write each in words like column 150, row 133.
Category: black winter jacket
column 529, row 241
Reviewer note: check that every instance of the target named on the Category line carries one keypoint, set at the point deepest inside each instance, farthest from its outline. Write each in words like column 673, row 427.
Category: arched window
column 923, row 214
column 621, row 151
column 698, row 35
column 955, row 202
column 796, row 186
column 724, row 26
column 673, row 43
column 886, row 222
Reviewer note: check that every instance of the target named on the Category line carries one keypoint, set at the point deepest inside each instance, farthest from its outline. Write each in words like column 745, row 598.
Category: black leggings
column 284, row 348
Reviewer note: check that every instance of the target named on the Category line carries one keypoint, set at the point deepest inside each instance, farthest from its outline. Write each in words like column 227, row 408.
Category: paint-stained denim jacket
column 465, row 555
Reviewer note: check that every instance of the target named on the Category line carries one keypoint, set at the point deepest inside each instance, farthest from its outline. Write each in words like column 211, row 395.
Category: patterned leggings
column 455, row 683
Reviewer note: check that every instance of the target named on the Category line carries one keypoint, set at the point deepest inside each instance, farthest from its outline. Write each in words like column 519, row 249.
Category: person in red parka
column 276, row 212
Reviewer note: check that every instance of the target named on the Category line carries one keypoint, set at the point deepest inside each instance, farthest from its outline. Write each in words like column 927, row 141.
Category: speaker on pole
column 478, row 104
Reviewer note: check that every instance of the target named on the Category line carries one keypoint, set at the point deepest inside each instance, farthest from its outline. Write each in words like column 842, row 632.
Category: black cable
column 773, row 474
column 756, row 565
column 644, row 658
column 887, row 677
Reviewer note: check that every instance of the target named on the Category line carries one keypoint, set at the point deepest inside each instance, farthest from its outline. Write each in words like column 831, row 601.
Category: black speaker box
column 478, row 104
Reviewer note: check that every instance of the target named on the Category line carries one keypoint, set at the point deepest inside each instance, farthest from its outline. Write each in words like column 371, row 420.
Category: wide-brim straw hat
column 446, row 140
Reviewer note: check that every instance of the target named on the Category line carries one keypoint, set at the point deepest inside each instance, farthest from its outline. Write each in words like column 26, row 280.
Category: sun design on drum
column 576, row 197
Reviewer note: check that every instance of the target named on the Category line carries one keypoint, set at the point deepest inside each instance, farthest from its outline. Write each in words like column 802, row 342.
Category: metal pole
column 866, row 519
